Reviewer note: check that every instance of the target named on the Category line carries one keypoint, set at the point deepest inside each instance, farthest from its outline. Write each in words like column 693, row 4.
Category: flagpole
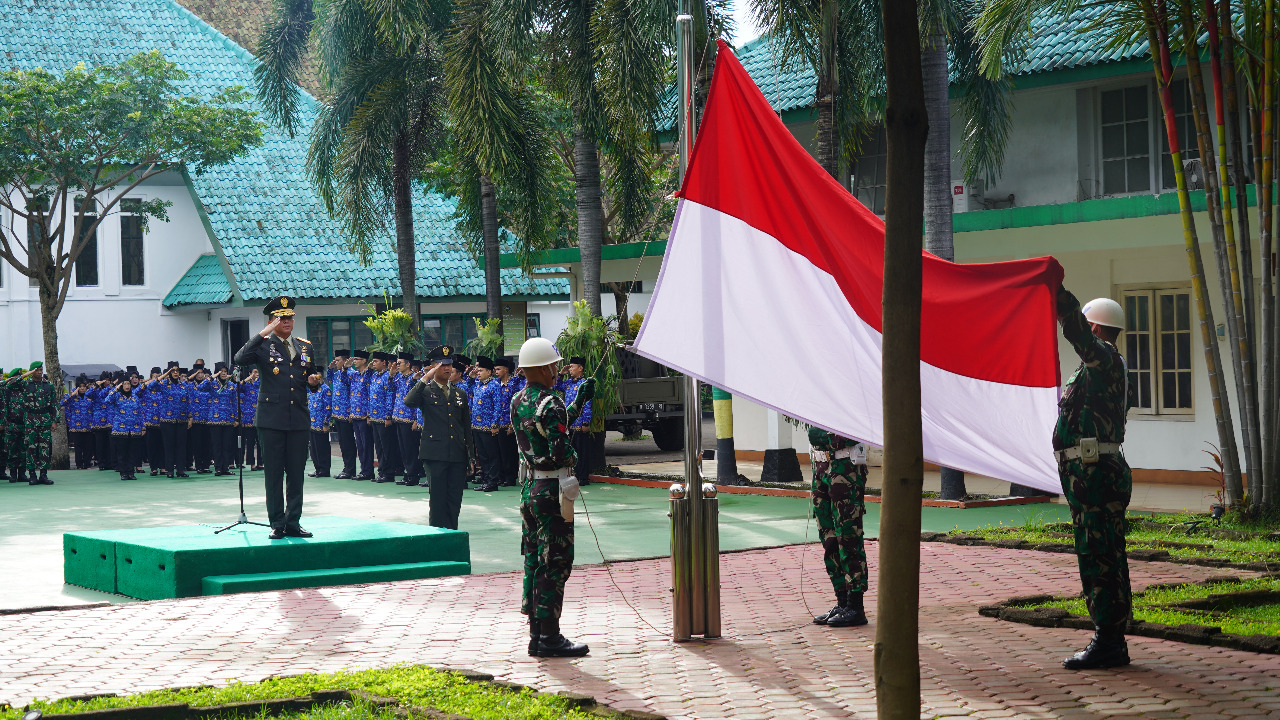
column 695, row 560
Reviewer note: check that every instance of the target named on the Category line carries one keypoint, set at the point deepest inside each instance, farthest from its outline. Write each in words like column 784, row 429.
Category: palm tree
column 381, row 116
column 501, row 136
column 607, row 60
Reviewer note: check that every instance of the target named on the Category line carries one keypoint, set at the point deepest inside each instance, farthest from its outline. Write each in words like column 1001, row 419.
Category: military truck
column 651, row 397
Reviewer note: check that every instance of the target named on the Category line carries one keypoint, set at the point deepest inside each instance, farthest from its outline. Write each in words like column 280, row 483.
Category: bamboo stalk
column 1158, row 33
column 1225, row 240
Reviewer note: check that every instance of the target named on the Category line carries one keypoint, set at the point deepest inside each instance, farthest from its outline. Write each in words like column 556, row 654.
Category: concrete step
column 256, row 582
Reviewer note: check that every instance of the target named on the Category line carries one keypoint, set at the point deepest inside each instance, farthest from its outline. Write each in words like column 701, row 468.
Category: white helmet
column 1104, row 311
column 536, row 352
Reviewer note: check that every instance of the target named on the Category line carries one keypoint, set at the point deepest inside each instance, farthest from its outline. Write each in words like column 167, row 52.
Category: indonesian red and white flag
column 771, row 289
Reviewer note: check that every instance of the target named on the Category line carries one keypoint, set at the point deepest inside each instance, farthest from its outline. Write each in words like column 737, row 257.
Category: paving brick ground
column 770, row 664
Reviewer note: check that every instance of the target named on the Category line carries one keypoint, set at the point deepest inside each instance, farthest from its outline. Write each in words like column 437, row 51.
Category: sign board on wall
column 513, row 326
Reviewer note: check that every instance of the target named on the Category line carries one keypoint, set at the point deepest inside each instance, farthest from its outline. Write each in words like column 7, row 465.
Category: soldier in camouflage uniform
column 37, row 402
column 1095, row 477
column 11, row 426
column 839, row 482
column 541, row 423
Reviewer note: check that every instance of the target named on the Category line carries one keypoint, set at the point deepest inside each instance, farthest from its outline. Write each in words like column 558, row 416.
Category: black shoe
column 344, row 475
column 411, row 483
column 311, row 474
column 384, row 479
column 402, row 482
column 154, row 473
column 850, row 614
column 1106, row 649
column 258, row 467
column 535, row 633
column 169, row 475
column 487, row 488
column 297, row 531
column 559, row 646
column 182, row 474
column 321, row 475
column 841, row 598
column 363, row 477
column 276, row 534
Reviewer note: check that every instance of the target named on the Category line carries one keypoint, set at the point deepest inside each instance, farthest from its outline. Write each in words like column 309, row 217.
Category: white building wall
column 112, row 323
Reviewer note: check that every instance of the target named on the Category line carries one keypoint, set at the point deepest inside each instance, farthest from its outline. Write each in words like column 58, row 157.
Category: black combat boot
column 1106, row 649
column 15, row 475
column 851, row 613
column 535, row 633
column 841, row 597
column 4, row 472
column 44, row 479
column 552, row 644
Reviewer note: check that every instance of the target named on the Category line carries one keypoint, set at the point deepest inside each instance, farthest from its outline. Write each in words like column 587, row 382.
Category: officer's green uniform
column 1093, row 408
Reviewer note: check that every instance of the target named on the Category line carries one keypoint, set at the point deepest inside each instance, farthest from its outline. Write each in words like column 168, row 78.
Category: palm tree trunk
column 828, row 89
column 897, row 648
column 621, row 294
column 49, row 311
column 405, row 251
column 938, row 237
column 1262, row 124
column 489, row 241
column 590, row 215
column 1224, row 245
column 1159, row 38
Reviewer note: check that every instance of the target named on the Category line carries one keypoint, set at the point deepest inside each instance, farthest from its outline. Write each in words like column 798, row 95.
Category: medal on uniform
column 275, row 371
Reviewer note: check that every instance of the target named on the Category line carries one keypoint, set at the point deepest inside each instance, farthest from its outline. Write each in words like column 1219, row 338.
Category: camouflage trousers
column 838, row 506
column 39, row 448
column 1098, row 495
column 14, row 450
column 547, row 545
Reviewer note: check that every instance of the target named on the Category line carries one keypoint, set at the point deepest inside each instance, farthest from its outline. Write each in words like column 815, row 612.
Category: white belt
column 859, row 457
column 556, row 474
column 1074, row 452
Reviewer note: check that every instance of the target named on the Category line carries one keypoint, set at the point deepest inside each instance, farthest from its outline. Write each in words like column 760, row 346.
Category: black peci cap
column 131, row 369
column 505, row 362
column 405, row 356
column 462, row 361
column 343, row 353
column 484, row 362
column 105, row 375
column 362, row 354
column 172, row 364
column 578, row 360
column 219, row 366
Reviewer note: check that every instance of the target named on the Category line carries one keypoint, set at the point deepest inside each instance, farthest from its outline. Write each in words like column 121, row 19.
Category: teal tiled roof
column 204, row 283
column 789, row 83
column 266, row 219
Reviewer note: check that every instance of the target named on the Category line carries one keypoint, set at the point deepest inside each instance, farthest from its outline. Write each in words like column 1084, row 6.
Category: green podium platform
column 190, row 560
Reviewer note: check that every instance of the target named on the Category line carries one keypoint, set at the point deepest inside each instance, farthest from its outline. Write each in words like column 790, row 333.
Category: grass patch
column 409, row 684
column 1153, row 606
column 1170, row 533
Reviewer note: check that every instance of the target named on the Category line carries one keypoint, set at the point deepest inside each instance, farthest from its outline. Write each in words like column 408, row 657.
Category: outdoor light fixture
column 1216, row 512
column 33, row 715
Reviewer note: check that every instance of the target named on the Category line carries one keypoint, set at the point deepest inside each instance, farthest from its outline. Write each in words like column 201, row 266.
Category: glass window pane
column 1144, row 313
column 1136, row 139
column 1135, row 103
column 1144, row 391
column 1184, row 390
column 1167, row 323
column 87, row 263
column 1113, row 177
column 1112, row 110
column 1113, row 141
column 431, row 333
column 1168, row 360
column 1184, row 351
column 1169, row 389
column 131, row 260
column 1184, row 311
column 1144, row 353
column 363, row 335
column 1139, row 174
column 451, row 331
column 318, row 334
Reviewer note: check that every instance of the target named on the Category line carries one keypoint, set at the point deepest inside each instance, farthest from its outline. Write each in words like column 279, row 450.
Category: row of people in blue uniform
column 363, row 400
column 177, row 421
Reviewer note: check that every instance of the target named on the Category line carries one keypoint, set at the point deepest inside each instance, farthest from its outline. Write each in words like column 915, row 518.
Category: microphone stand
column 243, row 519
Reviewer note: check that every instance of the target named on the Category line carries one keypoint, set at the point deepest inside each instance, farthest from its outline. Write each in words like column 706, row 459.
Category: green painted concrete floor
column 629, row 522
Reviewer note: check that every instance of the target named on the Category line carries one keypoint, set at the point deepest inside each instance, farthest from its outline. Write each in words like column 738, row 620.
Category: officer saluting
column 446, row 447
column 283, row 421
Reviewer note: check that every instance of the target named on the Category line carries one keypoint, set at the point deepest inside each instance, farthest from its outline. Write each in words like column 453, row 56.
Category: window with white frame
column 87, row 263
column 1126, row 140
column 1157, row 349
column 132, row 264
column 38, row 221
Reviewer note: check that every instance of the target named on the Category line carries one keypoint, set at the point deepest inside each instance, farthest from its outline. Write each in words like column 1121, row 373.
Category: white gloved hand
column 569, row 488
